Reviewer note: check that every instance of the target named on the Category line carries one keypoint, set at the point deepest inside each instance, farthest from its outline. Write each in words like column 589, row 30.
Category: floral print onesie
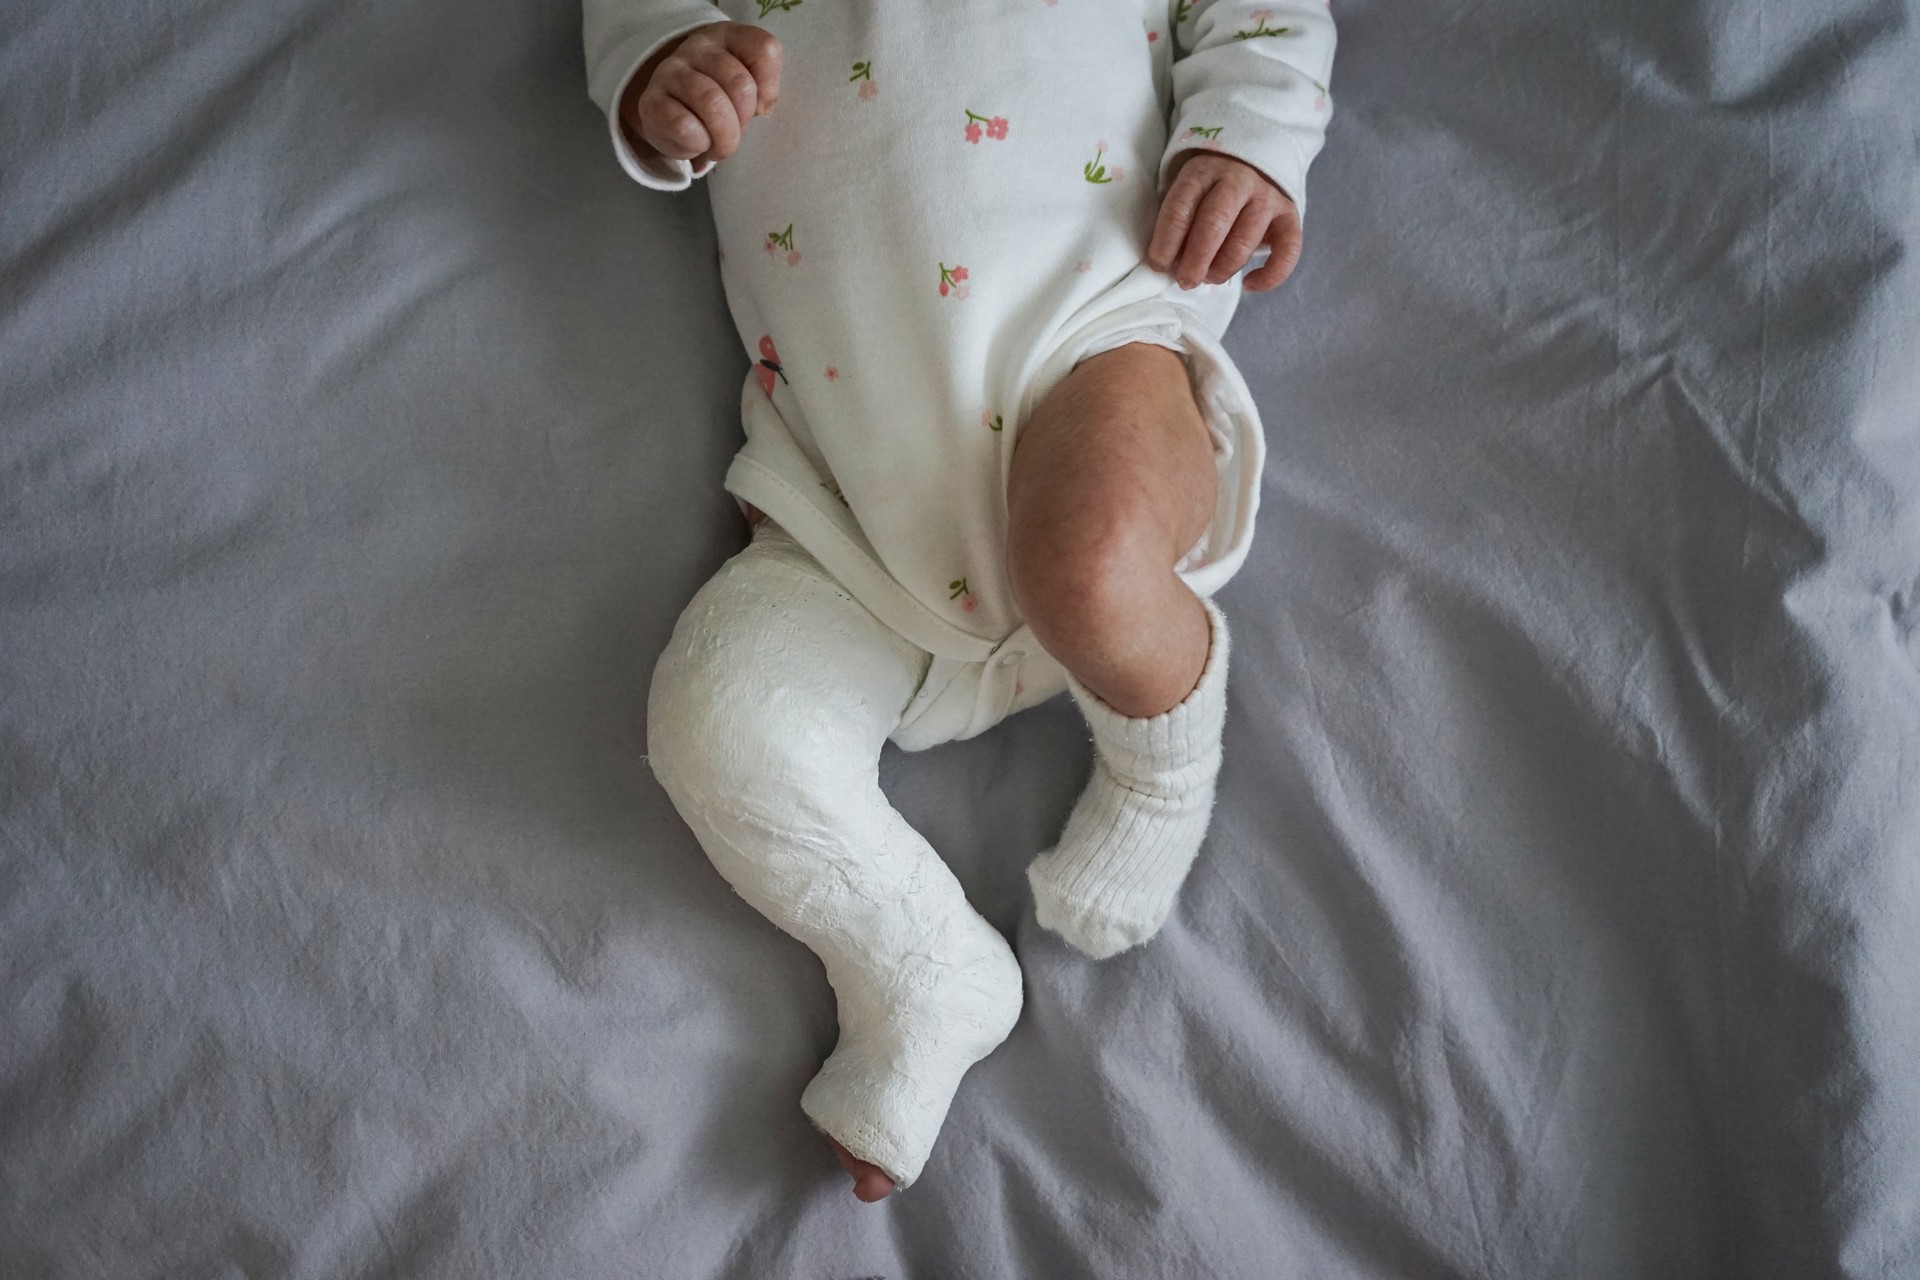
column 948, row 208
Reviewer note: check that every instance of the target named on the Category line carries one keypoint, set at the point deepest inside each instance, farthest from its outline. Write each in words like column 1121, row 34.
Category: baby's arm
column 678, row 83
column 1250, row 113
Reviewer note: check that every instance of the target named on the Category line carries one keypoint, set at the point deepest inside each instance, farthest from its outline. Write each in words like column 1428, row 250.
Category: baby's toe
column 870, row 1182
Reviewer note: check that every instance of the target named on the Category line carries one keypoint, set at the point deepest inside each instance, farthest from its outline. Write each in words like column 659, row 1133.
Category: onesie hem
column 856, row 568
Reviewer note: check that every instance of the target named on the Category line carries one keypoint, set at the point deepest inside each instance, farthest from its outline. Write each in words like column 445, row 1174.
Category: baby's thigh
column 1120, row 441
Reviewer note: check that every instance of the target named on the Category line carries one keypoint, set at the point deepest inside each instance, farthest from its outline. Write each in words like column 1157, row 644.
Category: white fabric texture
column 765, row 721
column 934, row 224
column 1113, row 878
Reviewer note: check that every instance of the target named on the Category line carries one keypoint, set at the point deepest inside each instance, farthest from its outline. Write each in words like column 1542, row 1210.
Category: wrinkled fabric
column 361, row 430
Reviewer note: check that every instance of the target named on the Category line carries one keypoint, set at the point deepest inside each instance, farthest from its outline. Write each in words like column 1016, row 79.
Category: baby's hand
column 695, row 96
column 1218, row 210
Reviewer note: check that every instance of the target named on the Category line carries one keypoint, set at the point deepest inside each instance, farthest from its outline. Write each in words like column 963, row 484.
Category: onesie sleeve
column 1250, row 81
column 620, row 35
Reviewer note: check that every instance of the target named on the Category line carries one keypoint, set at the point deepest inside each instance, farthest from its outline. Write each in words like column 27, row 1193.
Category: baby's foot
column 1112, row 880
column 870, row 1181
column 907, row 1036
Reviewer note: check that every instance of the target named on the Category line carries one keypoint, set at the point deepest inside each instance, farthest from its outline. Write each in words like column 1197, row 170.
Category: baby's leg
column 1112, row 482
column 767, row 714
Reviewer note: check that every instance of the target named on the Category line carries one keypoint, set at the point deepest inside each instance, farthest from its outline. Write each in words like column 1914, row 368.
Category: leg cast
column 767, row 714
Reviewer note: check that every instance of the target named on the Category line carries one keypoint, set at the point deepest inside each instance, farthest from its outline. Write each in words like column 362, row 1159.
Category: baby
column 981, row 255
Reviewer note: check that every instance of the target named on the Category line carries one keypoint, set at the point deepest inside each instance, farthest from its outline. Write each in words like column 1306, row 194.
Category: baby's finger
column 759, row 51
column 739, row 90
column 1176, row 215
column 1211, row 223
column 709, row 102
column 1284, row 237
column 1248, row 230
column 671, row 129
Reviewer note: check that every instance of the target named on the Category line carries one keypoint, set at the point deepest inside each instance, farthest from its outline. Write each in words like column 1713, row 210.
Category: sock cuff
column 1114, row 847
column 1184, row 733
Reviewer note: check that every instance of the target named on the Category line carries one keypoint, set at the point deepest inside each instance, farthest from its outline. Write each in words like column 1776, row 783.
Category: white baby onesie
column 947, row 209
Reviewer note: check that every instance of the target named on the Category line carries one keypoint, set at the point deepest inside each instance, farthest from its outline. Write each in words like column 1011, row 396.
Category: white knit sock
column 1112, row 880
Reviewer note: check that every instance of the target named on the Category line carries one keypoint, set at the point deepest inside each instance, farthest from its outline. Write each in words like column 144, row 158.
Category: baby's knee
column 1090, row 577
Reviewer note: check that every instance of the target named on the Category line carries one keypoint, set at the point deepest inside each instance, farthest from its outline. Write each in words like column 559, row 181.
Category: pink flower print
column 992, row 421
column 867, row 91
column 784, row 239
column 768, row 366
column 863, row 72
column 1084, row 265
column 1118, row 174
column 833, row 373
column 1152, row 36
column 979, row 126
column 953, row 280
column 957, row 590
column 1019, row 687
column 1320, row 99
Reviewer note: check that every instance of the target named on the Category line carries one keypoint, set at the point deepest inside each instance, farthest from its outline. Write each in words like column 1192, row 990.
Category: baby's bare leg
column 1112, row 482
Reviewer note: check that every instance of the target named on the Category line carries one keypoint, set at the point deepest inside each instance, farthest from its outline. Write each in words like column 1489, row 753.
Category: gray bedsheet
column 361, row 429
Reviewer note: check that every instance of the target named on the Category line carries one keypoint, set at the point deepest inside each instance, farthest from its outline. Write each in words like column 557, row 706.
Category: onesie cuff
column 654, row 171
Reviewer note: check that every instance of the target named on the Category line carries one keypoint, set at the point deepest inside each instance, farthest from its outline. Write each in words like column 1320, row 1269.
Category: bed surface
column 361, row 429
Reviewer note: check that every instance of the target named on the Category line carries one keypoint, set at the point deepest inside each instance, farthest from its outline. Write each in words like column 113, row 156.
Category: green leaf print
column 768, row 6
column 1095, row 170
column 1262, row 30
